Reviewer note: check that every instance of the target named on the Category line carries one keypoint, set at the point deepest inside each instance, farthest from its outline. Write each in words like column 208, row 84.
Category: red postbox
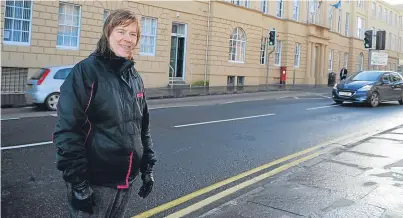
column 283, row 74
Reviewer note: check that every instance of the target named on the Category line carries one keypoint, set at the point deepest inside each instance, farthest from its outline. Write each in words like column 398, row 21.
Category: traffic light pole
column 267, row 66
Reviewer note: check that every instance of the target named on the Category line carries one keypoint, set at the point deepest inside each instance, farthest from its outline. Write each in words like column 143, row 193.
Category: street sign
column 379, row 58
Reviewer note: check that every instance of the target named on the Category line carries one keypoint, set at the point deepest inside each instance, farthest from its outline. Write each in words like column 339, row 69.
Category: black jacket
column 102, row 134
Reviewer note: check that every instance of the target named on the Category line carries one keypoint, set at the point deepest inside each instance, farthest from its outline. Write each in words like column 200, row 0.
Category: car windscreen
column 367, row 76
column 37, row 75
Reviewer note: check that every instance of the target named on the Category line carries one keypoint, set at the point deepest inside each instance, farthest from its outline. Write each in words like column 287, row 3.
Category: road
column 199, row 141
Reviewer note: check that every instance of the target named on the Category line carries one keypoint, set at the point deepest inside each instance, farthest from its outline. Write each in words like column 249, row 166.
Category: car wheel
column 338, row 102
column 51, row 101
column 374, row 100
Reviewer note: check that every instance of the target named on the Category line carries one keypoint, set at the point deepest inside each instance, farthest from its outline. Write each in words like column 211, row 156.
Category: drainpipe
column 207, row 43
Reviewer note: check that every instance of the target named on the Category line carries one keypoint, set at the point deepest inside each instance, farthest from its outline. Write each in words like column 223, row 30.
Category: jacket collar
column 117, row 64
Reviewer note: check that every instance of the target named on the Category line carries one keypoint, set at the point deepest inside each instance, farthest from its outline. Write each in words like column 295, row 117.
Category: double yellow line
column 229, row 191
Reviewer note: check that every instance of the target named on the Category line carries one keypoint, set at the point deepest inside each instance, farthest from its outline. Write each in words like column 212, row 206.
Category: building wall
column 224, row 18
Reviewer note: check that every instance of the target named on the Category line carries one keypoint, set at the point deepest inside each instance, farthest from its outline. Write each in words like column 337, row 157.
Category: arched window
column 237, row 44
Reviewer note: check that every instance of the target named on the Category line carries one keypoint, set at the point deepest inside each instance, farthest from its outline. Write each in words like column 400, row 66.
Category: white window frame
column 360, row 29
column 278, row 52
column 380, row 12
column 347, row 31
column 145, row 34
column 373, row 9
column 244, row 3
column 295, row 11
column 360, row 3
column 339, row 21
column 19, row 43
column 390, row 21
column 264, row 6
column 78, row 27
column 331, row 13
column 237, row 39
column 389, row 41
column 107, row 12
column 280, row 9
column 331, row 56
column 385, row 15
column 297, row 55
column 263, row 50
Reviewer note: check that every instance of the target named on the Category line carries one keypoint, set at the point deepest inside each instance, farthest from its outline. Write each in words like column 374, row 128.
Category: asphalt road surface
column 196, row 146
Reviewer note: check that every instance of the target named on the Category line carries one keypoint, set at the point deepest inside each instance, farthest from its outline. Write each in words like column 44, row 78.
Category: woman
column 102, row 133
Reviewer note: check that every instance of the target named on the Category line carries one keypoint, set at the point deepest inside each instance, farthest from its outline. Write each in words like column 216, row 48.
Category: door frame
column 185, row 46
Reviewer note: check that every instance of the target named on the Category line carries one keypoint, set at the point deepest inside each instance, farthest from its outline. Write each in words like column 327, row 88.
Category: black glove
column 82, row 198
column 148, row 181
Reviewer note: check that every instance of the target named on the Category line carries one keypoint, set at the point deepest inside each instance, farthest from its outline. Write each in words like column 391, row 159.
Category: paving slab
column 296, row 199
column 387, row 197
column 250, row 210
column 351, row 209
column 350, row 187
column 362, row 159
column 381, row 147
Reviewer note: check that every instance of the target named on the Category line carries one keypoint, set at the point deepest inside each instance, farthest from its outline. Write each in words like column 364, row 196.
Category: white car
column 43, row 88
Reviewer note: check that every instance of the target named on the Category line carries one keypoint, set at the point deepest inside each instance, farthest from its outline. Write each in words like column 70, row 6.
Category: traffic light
column 272, row 38
column 368, row 39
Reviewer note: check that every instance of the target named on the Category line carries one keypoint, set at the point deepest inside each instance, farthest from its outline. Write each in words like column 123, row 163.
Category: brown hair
column 116, row 18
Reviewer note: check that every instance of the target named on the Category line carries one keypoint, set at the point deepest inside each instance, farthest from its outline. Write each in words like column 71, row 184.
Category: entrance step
column 177, row 82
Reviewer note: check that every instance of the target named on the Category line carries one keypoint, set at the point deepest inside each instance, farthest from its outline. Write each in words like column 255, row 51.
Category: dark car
column 370, row 87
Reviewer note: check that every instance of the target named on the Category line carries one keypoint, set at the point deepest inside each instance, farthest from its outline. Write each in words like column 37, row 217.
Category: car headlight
column 365, row 88
column 335, row 86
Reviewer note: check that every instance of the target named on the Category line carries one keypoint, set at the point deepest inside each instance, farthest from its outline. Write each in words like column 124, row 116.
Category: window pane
column 17, row 24
column 25, row 26
column 27, row 14
column 76, row 21
column 9, row 11
column 74, row 31
column 16, row 36
column 18, row 12
column 59, row 40
column 19, row 4
column 10, row 3
column 74, row 41
column 25, row 36
column 76, row 10
column 27, row 4
column 8, row 24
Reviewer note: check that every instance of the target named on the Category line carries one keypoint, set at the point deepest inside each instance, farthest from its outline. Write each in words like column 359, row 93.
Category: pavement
column 200, row 142
column 360, row 179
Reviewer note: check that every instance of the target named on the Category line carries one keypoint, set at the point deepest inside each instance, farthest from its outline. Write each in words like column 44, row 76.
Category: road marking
column 25, row 146
column 241, row 186
column 217, row 185
column 220, row 121
column 11, row 118
column 314, row 108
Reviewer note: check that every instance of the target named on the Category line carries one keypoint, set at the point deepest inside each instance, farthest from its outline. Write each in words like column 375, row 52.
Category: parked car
column 370, row 87
column 43, row 88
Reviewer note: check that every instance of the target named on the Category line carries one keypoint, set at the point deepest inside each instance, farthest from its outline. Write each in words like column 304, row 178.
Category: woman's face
column 123, row 40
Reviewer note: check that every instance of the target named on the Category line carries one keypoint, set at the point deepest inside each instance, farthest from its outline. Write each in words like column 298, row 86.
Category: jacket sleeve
column 69, row 136
column 148, row 159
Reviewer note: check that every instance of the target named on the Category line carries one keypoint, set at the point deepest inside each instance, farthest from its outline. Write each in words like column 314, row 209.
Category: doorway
column 178, row 51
